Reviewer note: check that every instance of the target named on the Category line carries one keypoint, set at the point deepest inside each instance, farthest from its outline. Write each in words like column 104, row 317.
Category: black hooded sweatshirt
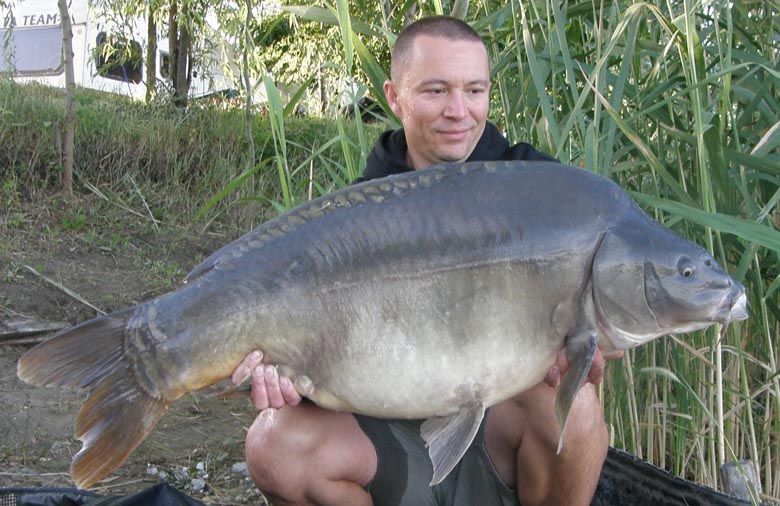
column 389, row 154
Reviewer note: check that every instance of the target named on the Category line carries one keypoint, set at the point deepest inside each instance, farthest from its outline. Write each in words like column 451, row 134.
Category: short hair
column 434, row 26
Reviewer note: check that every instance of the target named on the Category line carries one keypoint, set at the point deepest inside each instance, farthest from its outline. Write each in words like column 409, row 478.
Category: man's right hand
column 269, row 390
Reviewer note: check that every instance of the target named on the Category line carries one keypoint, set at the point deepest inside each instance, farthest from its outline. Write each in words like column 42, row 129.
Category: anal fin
column 448, row 438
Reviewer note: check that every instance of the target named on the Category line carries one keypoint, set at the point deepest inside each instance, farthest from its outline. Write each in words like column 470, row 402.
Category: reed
column 665, row 99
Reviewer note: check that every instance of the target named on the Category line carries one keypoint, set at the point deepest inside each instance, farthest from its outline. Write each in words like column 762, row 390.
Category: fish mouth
column 737, row 310
column 733, row 307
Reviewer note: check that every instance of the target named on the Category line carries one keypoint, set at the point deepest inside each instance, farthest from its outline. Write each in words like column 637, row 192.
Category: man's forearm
column 569, row 478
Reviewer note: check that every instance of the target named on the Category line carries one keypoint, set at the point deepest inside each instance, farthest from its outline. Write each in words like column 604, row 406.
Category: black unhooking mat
column 158, row 495
column 625, row 480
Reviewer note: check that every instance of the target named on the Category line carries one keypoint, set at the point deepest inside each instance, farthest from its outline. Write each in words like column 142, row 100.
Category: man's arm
column 545, row 478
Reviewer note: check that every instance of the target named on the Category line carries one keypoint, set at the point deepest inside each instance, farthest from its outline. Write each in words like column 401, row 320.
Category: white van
column 31, row 50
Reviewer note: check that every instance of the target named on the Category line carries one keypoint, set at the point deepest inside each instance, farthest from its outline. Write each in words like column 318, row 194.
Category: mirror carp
column 427, row 295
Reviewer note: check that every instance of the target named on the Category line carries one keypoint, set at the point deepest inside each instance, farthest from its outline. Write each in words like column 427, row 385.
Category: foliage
column 182, row 22
column 178, row 159
column 297, row 52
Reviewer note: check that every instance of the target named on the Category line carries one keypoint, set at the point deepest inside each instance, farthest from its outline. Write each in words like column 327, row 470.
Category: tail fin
column 118, row 413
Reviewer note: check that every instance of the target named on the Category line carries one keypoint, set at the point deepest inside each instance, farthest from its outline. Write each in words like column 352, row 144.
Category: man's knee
column 304, row 452
column 271, row 454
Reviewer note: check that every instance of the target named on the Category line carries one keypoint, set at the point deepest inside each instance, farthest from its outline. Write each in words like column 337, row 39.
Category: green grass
column 166, row 164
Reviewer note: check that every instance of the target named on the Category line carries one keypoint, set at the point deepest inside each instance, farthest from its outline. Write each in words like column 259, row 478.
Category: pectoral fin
column 581, row 350
column 448, row 438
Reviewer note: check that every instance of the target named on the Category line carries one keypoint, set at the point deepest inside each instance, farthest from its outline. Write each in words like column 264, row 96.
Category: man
column 306, row 455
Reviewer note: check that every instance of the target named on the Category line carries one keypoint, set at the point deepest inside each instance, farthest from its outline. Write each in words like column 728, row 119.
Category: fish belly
column 425, row 345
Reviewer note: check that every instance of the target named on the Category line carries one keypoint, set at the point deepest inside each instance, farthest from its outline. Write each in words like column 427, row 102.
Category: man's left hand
column 595, row 376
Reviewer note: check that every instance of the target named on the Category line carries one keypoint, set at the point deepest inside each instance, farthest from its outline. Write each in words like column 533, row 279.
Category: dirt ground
column 112, row 260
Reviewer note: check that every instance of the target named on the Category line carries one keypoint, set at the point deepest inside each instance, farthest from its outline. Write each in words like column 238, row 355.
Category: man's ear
column 391, row 94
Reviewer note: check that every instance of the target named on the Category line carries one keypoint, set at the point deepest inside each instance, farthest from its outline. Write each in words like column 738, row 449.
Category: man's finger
column 259, row 393
column 275, row 399
column 596, row 374
column 290, row 394
column 562, row 361
column 244, row 369
column 553, row 377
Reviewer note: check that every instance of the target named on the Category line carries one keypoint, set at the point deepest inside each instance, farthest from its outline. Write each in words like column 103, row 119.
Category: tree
column 69, row 121
column 151, row 52
column 248, row 81
column 182, row 20
column 180, row 49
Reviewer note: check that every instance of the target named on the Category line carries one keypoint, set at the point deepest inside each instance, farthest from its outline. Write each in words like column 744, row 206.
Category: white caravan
column 31, row 50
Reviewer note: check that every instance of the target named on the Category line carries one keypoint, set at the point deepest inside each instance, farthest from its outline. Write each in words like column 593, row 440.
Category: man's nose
column 456, row 106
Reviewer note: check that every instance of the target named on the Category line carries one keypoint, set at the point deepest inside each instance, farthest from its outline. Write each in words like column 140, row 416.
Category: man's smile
column 455, row 133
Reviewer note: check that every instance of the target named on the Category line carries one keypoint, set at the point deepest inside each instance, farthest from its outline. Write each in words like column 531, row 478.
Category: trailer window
column 165, row 65
column 31, row 51
column 117, row 58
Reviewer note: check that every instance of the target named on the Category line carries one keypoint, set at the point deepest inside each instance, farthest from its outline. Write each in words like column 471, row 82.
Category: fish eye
column 686, row 267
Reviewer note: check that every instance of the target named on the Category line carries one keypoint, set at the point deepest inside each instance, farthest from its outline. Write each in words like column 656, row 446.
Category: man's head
column 439, row 88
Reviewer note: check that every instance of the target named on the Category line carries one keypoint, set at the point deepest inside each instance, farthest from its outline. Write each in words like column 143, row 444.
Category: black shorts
column 404, row 470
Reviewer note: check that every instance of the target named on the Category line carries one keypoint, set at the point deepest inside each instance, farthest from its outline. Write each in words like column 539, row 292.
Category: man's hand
column 269, row 390
column 595, row 376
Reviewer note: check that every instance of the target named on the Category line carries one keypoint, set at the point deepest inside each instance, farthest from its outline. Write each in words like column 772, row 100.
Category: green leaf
column 713, row 141
column 460, row 9
column 326, row 16
column 229, row 188
column 345, row 25
column 290, row 107
column 747, row 230
column 660, row 371
column 769, row 141
column 375, row 74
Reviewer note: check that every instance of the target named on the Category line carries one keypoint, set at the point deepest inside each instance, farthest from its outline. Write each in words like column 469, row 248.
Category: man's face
column 442, row 99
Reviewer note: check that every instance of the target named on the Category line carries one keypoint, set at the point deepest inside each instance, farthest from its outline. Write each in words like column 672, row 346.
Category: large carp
column 466, row 278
